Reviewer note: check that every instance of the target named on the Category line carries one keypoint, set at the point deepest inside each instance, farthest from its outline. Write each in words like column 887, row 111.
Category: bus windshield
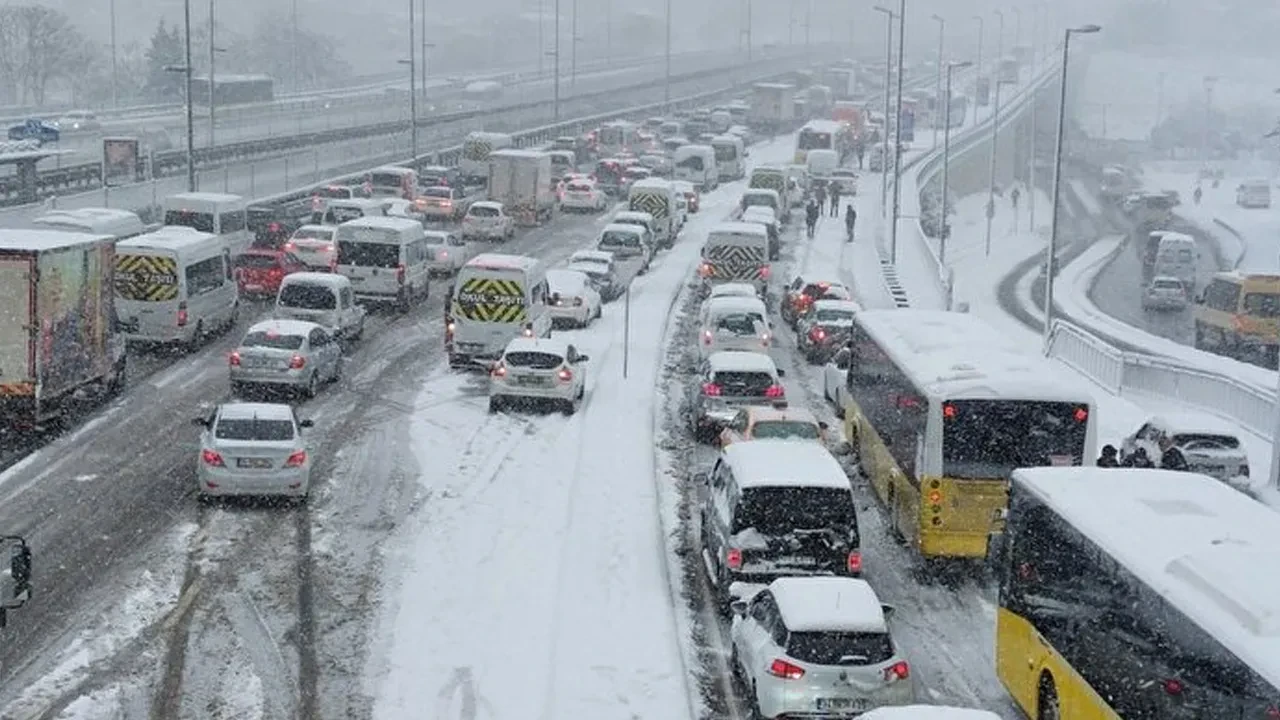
column 190, row 218
column 814, row 140
column 987, row 439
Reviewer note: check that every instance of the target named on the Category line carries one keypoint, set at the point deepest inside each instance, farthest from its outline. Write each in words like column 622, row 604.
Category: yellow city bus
column 941, row 409
column 1138, row 595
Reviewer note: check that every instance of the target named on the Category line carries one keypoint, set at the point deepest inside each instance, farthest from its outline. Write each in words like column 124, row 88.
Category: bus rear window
column 987, row 439
column 386, row 180
column 190, row 218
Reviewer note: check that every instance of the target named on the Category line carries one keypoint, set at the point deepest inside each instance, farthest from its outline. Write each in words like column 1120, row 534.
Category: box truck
column 521, row 181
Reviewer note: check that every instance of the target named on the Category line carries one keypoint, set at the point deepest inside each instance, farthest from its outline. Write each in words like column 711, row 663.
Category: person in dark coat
column 1138, row 459
column 1171, row 458
column 1109, row 457
column 811, row 214
column 835, row 199
column 850, row 218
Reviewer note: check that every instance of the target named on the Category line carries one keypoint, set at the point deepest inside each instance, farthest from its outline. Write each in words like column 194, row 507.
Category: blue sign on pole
column 907, row 125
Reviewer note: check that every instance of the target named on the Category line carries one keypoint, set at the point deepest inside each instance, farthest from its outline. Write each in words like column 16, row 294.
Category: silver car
column 1165, row 293
column 447, row 251
column 253, row 449
column 293, row 354
column 727, row 381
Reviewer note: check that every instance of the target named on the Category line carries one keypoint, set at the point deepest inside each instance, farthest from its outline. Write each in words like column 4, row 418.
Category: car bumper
column 570, row 204
column 1163, row 303
column 268, row 376
column 226, row 482
column 799, row 699
column 440, row 267
column 509, row 392
column 575, row 314
column 486, row 232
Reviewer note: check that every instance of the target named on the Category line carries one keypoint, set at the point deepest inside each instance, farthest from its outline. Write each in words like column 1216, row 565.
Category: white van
column 696, row 164
column 563, row 162
column 657, row 198
column 218, row 213
column 119, row 224
column 821, row 163
column 474, row 162
column 496, row 298
column 731, row 157
column 322, row 298
column 393, row 181
column 175, row 285
column 736, row 252
column 1177, row 256
column 386, row 260
column 337, row 212
column 1254, row 194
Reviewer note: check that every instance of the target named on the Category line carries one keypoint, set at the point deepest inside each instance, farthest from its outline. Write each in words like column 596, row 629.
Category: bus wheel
column 1047, row 707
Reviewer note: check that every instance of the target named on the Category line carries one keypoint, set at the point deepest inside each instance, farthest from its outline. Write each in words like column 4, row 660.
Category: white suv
column 487, row 220
column 538, row 370
column 818, row 646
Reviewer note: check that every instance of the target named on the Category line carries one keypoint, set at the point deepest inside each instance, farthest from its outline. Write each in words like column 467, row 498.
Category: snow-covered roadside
column 1247, row 235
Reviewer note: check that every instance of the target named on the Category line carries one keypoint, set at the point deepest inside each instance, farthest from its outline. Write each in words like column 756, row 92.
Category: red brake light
column 499, row 370
column 775, row 391
column 854, row 562
column 733, row 558
column 704, row 269
column 711, row 390
column 785, row 670
column 182, row 314
column 817, row 334
column 897, row 671
column 273, row 227
column 706, row 337
column 297, row 459
column 1273, row 712
column 948, row 411
column 297, row 362
column 400, row 274
column 212, row 458
column 1173, row 686
column 234, row 359
column 1082, row 414
column 565, row 374
column 290, row 246
column 765, row 272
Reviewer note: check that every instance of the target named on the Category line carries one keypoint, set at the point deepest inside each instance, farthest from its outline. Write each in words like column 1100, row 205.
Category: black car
column 776, row 509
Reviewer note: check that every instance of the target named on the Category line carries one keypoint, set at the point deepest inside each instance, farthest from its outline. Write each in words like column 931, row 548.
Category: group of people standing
column 817, row 202
column 1171, row 458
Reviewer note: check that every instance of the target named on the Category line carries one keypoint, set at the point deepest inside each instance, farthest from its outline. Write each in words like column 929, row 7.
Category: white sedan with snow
column 583, row 196
column 538, row 371
column 835, row 374
column 447, row 252
column 573, row 302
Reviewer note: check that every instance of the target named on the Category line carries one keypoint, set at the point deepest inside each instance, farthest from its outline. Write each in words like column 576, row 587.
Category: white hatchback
column 583, row 196
column 538, row 370
column 734, row 323
column 487, row 220
column 253, row 449
column 572, row 300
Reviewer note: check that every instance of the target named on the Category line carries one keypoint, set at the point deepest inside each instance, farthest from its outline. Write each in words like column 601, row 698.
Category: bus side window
column 230, row 222
column 226, row 262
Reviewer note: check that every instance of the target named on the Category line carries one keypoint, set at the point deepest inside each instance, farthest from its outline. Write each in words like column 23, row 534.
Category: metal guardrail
column 1128, row 374
column 86, row 176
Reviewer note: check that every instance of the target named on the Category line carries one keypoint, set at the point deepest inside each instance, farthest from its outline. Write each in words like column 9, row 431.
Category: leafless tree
column 39, row 46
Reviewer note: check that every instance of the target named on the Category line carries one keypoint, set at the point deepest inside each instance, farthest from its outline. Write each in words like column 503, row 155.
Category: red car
column 259, row 270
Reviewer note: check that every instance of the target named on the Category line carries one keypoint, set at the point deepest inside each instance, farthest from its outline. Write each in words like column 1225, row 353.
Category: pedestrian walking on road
column 820, row 194
column 850, row 218
column 860, row 150
column 811, row 214
column 835, row 200
column 1014, row 195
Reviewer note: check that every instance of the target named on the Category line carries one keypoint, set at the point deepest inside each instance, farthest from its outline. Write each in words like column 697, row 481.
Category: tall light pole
column 749, row 9
column 556, row 54
column 191, row 118
column 946, row 164
column 897, row 140
column 413, row 84
column 213, row 49
column 608, row 32
column 666, row 85
column 115, row 77
column 1209, row 82
column 542, row 45
column 425, row 45
column 573, row 48
column 937, row 93
column 999, row 39
column 982, row 26
column 1031, row 165
column 1051, row 249
column 293, row 44
column 889, row 15
column 995, row 134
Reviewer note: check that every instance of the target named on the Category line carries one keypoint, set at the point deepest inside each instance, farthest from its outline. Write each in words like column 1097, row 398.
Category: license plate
column 796, row 562
column 252, row 286
column 1061, row 460
column 842, row 703
column 470, row 347
column 530, row 380
column 256, row 463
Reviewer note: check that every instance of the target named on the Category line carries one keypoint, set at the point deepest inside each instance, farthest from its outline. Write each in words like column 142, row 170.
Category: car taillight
column 704, row 270
column 1173, row 686
column 764, row 339
column 290, row 246
column 853, row 563
column 499, row 370
column 733, row 558
column 711, row 390
column 400, row 274
column 897, row 671
column 297, row 362
column 297, row 459
column 234, row 359
column 577, row 302
column 212, row 458
column 442, row 255
column 775, row 391
column 1244, row 471
column 182, row 314
column 528, row 331
column 449, row 327
column 706, row 337
column 765, row 272
column 565, row 374
column 785, row 670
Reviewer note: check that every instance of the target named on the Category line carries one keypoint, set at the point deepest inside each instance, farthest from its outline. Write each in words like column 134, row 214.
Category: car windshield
column 1206, row 441
column 313, row 234
column 613, row 238
column 834, row 317
column 1167, row 285
column 438, row 192
column 840, row 648
column 785, row 430
column 253, row 429
column 256, row 261
column 304, row 296
column 483, row 211
column 271, row 339
column 987, row 439
column 735, row 383
column 533, row 360
column 740, row 323
column 579, row 187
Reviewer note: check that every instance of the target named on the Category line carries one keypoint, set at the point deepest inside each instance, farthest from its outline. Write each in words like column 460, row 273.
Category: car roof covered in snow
column 1190, row 422
column 487, row 204
column 837, row 306
column 722, row 304
column 566, row 280
column 592, row 256
column 40, row 240
column 733, row 289
column 632, row 215
column 928, row 712
column 501, row 261
column 737, row 228
column 741, row 361
column 652, row 183
column 551, row 345
column 958, row 356
column 283, row 327
column 761, row 191
column 252, row 410
column 624, row 228
column 828, row 604
column 331, row 280
column 784, row 463
column 1195, row 541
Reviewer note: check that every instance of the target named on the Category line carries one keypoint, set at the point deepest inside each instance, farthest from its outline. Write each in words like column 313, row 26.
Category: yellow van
column 1238, row 315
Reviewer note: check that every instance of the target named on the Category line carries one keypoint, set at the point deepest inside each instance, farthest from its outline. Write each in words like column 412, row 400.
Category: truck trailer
column 521, row 181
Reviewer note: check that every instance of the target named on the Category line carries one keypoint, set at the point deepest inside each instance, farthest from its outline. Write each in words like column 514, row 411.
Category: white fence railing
column 1128, row 374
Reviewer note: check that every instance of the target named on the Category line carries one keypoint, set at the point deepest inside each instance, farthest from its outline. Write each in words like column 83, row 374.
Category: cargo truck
column 772, row 107
column 58, row 328
column 521, row 181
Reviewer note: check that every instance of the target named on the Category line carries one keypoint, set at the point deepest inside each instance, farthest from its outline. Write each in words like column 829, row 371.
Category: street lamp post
column 191, row 120
column 937, row 93
column 212, row 97
column 542, row 45
column 995, row 133
column 982, row 26
column 573, row 48
column 1051, row 248
column 293, row 44
column 555, row 104
column 425, row 46
column 413, row 84
column 666, row 84
column 946, row 165
column 897, row 139
column 889, row 15
column 115, row 78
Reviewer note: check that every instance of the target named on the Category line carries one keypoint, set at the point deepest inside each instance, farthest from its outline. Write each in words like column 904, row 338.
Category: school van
column 219, row 213
column 476, row 148
column 119, row 224
column 322, row 298
column 658, row 198
column 175, row 285
column 696, row 164
column 496, row 298
column 731, row 157
column 736, row 252
column 386, row 259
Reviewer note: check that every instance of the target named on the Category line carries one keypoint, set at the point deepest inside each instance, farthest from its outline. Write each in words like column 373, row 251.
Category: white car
column 1165, row 293
column 847, row 180
column 293, row 354
column 447, row 251
column 733, row 289
column 733, row 323
column 538, row 370
column 835, row 375
column 1211, row 446
column 253, row 449
column 583, row 196
column 315, row 245
column 573, row 301
column 818, row 647
column 601, row 268
column 487, row 220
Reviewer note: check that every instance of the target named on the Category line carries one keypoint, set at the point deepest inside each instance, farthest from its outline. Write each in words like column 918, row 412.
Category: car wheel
column 313, row 384
column 571, row 406
column 495, row 405
column 197, row 337
column 337, row 370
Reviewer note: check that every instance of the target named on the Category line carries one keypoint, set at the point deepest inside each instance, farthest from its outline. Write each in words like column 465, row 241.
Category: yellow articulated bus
column 942, row 408
column 1138, row 595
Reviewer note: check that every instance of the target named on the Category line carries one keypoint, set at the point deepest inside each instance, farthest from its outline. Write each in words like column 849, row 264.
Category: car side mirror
column 306, row 423
column 842, row 448
column 702, row 478
column 823, row 426
column 888, row 611
column 200, row 422
column 782, row 373
column 739, row 607
column 581, row 359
